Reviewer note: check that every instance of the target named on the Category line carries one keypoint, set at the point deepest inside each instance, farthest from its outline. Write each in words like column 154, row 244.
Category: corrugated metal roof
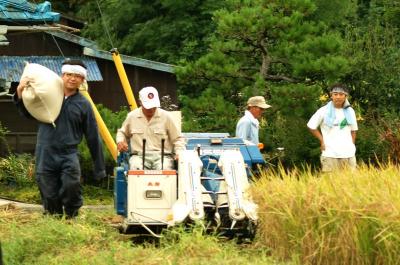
column 169, row 68
column 11, row 67
column 92, row 50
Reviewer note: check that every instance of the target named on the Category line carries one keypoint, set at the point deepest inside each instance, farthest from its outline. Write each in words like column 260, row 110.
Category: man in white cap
column 57, row 165
column 152, row 126
column 247, row 127
column 338, row 124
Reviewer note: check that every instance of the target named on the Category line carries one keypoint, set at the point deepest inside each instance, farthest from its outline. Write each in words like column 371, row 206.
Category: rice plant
column 347, row 217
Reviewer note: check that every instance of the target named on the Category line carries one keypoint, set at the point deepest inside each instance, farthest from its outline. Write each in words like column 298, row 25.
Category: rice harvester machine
column 210, row 186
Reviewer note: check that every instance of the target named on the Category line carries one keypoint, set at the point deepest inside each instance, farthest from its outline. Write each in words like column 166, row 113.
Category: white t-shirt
column 337, row 139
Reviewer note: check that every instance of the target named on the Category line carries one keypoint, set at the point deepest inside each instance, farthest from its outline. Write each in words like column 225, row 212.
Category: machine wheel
column 252, row 230
column 123, row 228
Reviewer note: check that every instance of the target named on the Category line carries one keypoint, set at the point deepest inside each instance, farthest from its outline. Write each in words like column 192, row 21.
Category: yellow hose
column 124, row 79
column 104, row 133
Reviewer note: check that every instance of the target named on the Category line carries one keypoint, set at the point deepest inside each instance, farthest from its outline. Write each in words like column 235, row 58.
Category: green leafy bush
column 3, row 142
column 209, row 113
column 385, row 143
column 292, row 107
column 17, row 170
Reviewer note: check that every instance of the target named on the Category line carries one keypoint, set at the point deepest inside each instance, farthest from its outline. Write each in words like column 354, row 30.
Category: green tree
column 293, row 105
column 162, row 30
column 371, row 45
column 335, row 13
column 268, row 41
column 272, row 48
column 69, row 7
column 372, row 48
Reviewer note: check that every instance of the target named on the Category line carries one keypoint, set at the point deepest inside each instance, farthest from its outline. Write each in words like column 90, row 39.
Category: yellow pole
column 124, row 79
column 105, row 134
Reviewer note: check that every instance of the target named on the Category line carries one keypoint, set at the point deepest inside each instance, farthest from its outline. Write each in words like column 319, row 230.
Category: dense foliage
column 288, row 51
column 270, row 48
column 163, row 30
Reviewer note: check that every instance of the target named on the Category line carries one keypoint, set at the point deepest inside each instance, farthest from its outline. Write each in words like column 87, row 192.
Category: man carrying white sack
column 57, row 164
column 155, row 126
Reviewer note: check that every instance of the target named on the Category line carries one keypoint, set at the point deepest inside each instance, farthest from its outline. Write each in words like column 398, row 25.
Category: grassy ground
column 350, row 217
column 30, row 194
column 90, row 239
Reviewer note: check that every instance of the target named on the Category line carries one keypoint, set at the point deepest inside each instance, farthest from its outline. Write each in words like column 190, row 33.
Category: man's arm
column 317, row 134
column 94, row 143
column 353, row 127
column 175, row 136
column 243, row 129
column 353, row 136
column 122, row 145
column 314, row 123
column 17, row 99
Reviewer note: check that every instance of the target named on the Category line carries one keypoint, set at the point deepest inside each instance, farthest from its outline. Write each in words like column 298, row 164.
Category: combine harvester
column 209, row 187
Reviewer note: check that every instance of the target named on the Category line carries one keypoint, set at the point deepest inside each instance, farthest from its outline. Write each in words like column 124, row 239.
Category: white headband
column 74, row 69
column 339, row 89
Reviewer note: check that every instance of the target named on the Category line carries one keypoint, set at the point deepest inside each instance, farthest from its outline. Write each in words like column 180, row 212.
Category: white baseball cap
column 149, row 97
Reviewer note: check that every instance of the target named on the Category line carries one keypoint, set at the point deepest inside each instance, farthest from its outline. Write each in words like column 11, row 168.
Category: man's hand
column 322, row 146
column 317, row 134
column 22, row 84
column 98, row 176
column 122, row 146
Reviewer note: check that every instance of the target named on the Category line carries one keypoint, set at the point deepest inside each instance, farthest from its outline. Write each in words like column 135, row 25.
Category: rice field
column 349, row 217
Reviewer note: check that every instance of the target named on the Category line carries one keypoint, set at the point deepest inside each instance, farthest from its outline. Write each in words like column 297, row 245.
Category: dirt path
column 4, row 204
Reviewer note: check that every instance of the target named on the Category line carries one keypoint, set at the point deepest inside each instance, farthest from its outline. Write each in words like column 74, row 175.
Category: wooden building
column 49, row 45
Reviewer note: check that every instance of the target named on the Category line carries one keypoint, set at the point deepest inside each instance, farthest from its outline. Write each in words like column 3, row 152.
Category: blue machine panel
column 120, row 192
column 215, row 144
column 255, row 154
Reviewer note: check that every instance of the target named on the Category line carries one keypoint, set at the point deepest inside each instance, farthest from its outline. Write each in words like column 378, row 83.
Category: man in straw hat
column 248, row 126
column 338, row 124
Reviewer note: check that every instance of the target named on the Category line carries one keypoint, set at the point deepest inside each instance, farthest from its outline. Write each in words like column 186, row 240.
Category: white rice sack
column 44, row 93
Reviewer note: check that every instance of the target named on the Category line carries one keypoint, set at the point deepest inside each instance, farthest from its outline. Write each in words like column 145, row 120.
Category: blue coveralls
column 57, row 165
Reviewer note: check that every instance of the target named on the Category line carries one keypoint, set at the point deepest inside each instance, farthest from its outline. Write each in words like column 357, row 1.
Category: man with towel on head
column 338, row 124
column 57, row 164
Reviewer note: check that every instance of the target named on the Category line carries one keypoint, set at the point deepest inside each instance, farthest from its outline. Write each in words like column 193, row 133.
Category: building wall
column 108, row 92
column 38, row 44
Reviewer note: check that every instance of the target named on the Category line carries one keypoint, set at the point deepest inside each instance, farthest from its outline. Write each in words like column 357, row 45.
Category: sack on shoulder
column 44, row 94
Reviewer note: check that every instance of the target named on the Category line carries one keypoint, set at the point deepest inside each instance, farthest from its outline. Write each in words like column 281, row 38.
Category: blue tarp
column 23, row 11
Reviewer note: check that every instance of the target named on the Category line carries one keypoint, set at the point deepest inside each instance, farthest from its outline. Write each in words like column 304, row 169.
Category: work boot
column 71, row 213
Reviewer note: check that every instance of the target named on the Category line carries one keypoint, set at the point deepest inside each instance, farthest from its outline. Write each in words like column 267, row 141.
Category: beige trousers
column 152, row 161
column 330, row 164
